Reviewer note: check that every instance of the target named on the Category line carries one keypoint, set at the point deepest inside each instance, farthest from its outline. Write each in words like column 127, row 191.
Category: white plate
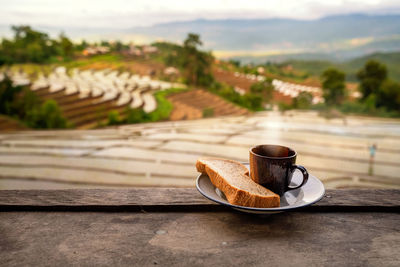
column 308, row 194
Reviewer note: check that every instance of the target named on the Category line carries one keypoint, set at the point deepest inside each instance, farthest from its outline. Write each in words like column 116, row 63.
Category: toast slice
column 232, row 178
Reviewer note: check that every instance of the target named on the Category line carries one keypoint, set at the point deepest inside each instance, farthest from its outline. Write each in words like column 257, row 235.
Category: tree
column 82, row 46
column 389, row 95
column 29, row 45
column 371, row 78
column 235, row 63
column 118, row 46
column 66, row 46
column 252, row 101
column 23, row 104
column 333, row 86
column 48, row 116
column 136, row 115
column 264, row 88
column 113, row 118
column 192, row 41
column 8, row 93
column 196, row 64
column 303, row 100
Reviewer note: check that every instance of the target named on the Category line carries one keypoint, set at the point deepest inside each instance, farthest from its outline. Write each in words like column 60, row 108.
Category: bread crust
column 234, row 195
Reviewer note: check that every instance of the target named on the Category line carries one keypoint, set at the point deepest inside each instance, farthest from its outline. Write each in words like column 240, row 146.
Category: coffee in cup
column 272, row 166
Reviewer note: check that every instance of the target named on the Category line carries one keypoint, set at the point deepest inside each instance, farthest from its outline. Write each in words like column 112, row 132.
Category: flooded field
column 337, row 151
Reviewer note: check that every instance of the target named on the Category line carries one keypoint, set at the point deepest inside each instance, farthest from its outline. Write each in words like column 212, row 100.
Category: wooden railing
column 177, row 226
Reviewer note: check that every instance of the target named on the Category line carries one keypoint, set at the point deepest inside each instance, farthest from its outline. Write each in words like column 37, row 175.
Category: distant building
column 288, row 67
column 95, row 50
column 170, row 71
column 239, row 90
column 147, row 49
column 134, row 51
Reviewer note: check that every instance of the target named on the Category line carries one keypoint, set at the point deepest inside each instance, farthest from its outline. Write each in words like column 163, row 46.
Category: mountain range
column 351, row 66
column 334, row 37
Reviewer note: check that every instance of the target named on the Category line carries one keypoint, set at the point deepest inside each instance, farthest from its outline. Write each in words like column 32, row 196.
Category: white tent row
column 124, row 88
column 252, row 77
column 124, row 99
column 40, row 82
column 280, row 85
column 120, row 83
column 17, row 78
column 293, row 90
column 239, row 90
column 318, row 99
column 124, row 76
column 150, row 103
column 71, row 88
column 137, row 99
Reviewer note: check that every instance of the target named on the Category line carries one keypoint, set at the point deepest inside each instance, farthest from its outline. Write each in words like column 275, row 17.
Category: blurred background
column 130, row 93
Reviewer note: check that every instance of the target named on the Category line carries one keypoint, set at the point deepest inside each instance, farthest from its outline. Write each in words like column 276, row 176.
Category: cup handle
column 305, row 176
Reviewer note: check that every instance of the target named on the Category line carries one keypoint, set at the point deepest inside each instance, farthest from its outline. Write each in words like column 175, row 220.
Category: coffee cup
column 272, row 166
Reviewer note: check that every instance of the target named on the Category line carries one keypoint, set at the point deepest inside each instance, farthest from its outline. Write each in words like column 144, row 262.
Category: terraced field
column 163, row 154
column 86, row 97
column 8, row 124
column 284, row 91
column 190, row 105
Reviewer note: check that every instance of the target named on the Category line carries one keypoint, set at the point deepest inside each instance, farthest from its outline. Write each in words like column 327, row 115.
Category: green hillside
column 315, row 67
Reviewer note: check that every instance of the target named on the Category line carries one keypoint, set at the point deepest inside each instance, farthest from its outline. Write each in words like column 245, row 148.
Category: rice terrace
column 199, row 133
column 140, row 115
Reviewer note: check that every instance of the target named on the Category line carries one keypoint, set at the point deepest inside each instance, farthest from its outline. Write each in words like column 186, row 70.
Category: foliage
column 371, row 78
column 263, row 88
column 162, row 112
column 303, row 101
column 111, row 59
column 361, row 107
column 113, row 118
column 208, row 112
column 333, row 86
column 137, row 115
column 389, row 95
column 164, row 107
column 379, row 93
column 235, row 63
column 17, row 101
column 23, row 104
column 194, row 64
column 367, row 107
column 7, row 95
column 169, row 53
column 250, row 101
column 65, row 47
column 259, row 92
column 118, row 46
column 29, row 45
column 350, row 67
column 284, row 107
column 48, row 116
column 82, row 46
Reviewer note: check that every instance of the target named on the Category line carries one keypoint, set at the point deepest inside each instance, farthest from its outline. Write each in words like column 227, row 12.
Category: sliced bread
column 232, row 178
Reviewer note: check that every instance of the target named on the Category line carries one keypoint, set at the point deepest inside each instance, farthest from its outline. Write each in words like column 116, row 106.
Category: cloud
column 119, row 14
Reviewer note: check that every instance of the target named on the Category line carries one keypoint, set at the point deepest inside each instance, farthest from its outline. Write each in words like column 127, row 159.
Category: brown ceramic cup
column 272, row 166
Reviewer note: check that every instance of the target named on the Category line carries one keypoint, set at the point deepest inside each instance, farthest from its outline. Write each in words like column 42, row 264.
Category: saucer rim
column 289, row 207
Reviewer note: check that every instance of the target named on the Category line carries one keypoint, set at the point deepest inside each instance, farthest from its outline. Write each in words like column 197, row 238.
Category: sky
column 123, row 14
